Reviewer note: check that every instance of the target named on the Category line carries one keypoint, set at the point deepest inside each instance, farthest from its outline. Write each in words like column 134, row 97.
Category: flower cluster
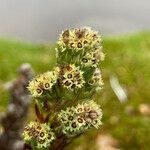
column 78, row 39
column 71, row 77
column 43, row 82
column 76, row 76
column 77, row 119
column 38, row 135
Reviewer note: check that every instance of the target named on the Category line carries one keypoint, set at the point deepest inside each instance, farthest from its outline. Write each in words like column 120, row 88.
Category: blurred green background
column 128, row 57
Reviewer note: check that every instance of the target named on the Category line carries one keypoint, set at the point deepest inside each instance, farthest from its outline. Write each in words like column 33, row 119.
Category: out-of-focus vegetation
column 127, row 56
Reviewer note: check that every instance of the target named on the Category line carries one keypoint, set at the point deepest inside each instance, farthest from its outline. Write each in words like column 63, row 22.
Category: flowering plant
column 64, row 97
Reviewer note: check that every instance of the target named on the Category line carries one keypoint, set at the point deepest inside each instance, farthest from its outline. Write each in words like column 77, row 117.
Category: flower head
column 38, row 135
column 80, row 118
column 43, row 82
column 78, row 39
column 71, row 77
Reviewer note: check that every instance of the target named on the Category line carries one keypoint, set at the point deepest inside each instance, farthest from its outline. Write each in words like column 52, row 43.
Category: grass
column 127, row 56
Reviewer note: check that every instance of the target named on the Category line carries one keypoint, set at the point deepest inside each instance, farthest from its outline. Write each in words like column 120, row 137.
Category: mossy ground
column 127, row 56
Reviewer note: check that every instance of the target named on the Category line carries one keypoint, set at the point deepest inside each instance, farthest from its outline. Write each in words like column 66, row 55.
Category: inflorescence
column 38, row 135
column 75, row 120
column 43, row 82
column 71, row 77
column 79, row 54
column 79, row 39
